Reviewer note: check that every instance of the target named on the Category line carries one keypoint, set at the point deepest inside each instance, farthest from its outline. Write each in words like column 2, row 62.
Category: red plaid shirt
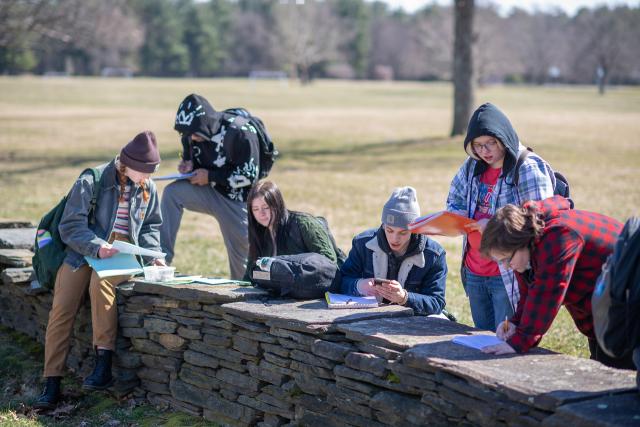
column 565, row 263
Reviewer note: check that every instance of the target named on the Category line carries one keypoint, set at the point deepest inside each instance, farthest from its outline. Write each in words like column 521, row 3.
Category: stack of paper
column 477, row 341
column 348, row 301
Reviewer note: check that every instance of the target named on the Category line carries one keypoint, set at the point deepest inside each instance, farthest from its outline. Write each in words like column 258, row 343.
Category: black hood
column 196, row 115
column 489, row 120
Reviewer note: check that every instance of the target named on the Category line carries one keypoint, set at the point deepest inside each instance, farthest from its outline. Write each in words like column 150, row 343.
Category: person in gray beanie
column 394, row 265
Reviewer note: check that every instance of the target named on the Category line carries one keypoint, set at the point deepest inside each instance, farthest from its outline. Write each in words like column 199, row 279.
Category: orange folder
column 441, row 223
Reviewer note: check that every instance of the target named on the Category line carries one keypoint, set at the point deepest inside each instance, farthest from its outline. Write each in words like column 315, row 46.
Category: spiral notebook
column 349, row 301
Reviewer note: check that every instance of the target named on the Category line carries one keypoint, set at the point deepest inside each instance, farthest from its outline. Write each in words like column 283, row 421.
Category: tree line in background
column 350, row 39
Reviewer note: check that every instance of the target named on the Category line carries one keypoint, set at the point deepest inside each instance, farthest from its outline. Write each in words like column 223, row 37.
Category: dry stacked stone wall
column 236, row 357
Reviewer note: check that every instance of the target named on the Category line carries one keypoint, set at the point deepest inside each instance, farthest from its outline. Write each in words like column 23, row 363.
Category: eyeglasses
column 506, row 261
column 488, row 146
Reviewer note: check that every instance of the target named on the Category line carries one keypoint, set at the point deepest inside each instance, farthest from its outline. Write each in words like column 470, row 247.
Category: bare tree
column 434, row 30
column 463, row 86
column 602, row 36
column 308, row 35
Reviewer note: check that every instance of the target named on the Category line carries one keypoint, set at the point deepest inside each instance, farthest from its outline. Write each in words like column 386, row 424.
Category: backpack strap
column 522, row 156
column 97, row 187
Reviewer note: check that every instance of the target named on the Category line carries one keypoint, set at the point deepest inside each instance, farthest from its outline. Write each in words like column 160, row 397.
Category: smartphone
column 379, row 282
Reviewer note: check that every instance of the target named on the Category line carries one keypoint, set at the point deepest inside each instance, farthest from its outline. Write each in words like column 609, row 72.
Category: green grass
column 20, row 380
column 344, row 145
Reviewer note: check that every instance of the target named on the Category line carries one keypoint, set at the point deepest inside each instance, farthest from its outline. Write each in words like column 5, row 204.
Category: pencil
column 505, row 325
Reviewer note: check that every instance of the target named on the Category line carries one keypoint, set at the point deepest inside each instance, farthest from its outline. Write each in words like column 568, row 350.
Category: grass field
column 344, row 146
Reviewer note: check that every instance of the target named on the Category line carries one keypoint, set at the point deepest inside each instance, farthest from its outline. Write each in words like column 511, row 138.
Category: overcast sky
column 569, row 6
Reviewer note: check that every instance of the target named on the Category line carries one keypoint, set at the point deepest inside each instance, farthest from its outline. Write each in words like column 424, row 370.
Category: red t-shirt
column 474, row 261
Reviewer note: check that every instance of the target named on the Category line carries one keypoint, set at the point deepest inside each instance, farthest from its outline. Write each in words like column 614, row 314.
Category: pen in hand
column 505, row 325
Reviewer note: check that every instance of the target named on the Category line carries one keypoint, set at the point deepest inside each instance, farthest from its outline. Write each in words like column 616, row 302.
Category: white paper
column 209, row 281
column 128, row 248
column 477, row 341
column 349, row 301
column 174, row 176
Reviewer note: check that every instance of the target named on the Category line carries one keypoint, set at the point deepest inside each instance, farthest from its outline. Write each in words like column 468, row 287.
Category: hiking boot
column 51, row 394
column 100, row 378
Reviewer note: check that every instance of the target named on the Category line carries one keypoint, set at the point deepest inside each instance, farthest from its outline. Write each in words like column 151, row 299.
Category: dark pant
column 597, row 353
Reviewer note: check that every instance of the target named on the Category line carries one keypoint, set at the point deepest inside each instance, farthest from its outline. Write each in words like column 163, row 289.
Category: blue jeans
column 488, row 299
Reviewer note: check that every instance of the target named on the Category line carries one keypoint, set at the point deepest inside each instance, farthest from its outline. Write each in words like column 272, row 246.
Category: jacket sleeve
column 149, row 236
column 185, row 140
column 457, row 198
column 74, row 225
column 555, row 262
column 534, row 182
column 241, row 167
column 431, row 298
column 316, row 239
column 353, row 268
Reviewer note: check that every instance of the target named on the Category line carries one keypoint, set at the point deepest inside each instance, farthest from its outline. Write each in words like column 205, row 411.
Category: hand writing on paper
column 200, row 178
column 392, row 290
column 505, row 333
column 106, row 251
column 479, row 225
column 499, row 349
column 185, row 166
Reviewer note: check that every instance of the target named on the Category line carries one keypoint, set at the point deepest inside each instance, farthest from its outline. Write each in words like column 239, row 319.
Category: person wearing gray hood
column 484, row 183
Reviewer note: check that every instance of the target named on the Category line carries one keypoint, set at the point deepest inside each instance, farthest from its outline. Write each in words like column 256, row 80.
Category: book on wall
column 441, row 223
column 349, row 301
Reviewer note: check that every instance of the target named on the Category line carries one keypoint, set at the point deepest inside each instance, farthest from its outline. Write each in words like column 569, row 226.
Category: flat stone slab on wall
column 15, row 257
column 613, row 410
column 200, row 292
column 17, row 238
column 310, row 316
column 540, row 378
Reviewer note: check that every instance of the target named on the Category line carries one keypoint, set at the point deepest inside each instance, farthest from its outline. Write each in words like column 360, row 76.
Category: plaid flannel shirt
column 565, row 263
column 534, row 184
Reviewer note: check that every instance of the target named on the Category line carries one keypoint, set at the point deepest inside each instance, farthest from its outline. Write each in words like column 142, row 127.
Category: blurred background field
column 344, row 146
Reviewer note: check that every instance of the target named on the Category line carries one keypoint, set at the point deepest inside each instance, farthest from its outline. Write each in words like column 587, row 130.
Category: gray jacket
column 84, row 239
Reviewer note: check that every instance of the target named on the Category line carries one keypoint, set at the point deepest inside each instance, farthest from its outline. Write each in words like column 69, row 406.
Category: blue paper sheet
column 118, row 265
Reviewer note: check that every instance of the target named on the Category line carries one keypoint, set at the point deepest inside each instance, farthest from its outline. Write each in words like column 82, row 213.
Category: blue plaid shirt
column 535, row 183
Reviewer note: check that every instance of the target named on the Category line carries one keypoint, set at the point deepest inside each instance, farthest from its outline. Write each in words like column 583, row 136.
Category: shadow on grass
column 296, row 150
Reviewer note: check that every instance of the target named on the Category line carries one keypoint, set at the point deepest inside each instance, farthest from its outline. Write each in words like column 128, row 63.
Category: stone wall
column 234, row 356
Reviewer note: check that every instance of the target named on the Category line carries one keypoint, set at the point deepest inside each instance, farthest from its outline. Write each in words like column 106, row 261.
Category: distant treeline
column 350, row 39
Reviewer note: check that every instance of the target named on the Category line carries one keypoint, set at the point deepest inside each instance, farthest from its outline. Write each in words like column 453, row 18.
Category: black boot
column 100, row 378
column 51, row 394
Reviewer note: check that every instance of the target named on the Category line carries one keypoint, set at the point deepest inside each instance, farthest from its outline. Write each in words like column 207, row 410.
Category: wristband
column 405, row 298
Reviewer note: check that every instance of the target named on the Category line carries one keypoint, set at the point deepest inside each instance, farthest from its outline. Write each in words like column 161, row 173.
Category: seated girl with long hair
column 275, row 230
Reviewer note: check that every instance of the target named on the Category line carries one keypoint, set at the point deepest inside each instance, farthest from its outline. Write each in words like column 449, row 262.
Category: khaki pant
column 68, row 295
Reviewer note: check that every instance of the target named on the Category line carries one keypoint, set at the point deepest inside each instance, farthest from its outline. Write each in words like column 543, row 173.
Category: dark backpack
column 301, row 276
column 560, row 182
column 268, row 152
column 616, row 297
column 49, row 247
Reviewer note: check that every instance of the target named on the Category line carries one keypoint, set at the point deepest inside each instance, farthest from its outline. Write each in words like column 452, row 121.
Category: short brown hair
column 511, row 228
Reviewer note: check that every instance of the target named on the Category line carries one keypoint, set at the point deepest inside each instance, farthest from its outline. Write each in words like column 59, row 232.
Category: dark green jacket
column 301, row 234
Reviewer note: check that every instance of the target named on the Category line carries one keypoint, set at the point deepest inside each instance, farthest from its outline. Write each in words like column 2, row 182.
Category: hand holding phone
column 379, row 282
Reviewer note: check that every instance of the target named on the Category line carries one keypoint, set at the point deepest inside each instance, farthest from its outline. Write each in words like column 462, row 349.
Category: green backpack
column 49, row 249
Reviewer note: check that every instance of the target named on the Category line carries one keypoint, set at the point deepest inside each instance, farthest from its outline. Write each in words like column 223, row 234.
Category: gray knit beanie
column 401, row 208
